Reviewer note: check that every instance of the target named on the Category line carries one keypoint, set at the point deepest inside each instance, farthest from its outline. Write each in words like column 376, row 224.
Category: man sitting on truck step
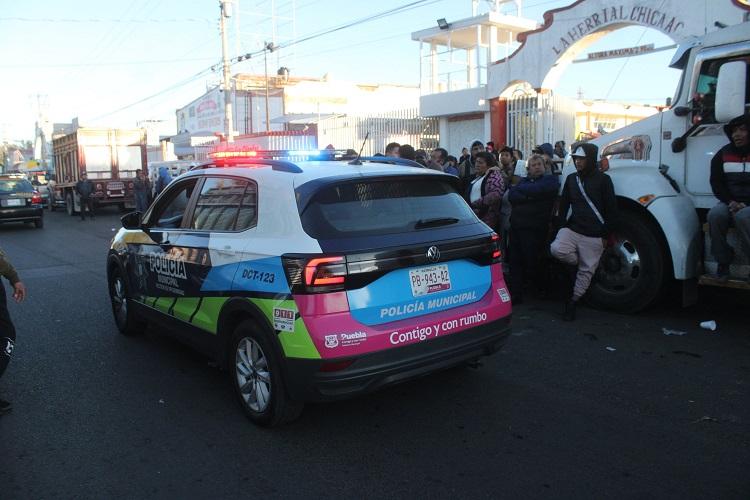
column 590, row 195
column 730, row 182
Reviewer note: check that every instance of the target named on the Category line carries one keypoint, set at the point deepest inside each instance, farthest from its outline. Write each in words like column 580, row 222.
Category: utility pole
column 268, row 47
column 226, row 11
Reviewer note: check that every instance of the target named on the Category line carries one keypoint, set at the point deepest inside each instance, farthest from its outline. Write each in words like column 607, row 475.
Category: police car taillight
column 315, row 274
column 496, row 254
column 36, row 198
column 325, row 271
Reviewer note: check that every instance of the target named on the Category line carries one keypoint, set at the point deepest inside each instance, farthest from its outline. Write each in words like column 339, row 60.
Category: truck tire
column 630, row 276
column 69, row 206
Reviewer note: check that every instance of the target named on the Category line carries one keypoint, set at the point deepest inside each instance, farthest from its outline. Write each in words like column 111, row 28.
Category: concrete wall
column 454, row 103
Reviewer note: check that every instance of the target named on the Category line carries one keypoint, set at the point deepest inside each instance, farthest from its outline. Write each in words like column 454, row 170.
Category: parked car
column 19, row 202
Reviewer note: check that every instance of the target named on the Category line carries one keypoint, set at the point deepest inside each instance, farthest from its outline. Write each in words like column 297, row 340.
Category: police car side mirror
column 131, row 220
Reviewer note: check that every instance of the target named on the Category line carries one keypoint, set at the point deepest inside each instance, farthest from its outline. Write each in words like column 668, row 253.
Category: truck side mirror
column 730, row 90
column 131, row 220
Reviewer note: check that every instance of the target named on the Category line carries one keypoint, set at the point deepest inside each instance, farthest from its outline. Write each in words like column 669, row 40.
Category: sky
column 117, row 63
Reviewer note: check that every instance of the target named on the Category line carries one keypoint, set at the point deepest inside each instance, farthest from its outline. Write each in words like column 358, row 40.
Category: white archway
column 546, row 52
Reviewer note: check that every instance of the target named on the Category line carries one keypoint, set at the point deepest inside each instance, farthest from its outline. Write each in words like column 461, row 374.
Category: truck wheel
column 39, row 223
column 630, row 275
column 69, row 206
column 125, row 320
column 255, row 369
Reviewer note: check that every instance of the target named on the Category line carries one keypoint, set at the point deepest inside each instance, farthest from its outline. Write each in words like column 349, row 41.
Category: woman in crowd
column 531, row 200
column 486, row 190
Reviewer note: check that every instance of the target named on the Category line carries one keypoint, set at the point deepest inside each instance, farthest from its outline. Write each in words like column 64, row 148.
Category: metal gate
column 403, row 126
column 540, row 118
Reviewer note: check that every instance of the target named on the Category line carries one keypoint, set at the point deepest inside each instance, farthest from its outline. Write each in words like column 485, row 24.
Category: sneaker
column 722, row 273
column 5, row 407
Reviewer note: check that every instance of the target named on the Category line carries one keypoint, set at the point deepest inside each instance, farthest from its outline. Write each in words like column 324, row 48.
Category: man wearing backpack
column 590, row 195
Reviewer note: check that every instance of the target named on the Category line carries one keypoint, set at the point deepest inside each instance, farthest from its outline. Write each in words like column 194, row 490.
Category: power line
column 99, row 20
column 118, row 63
column 306, row 38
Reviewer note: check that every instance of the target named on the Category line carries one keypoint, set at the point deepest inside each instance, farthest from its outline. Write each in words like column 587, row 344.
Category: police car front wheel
column 257, row 377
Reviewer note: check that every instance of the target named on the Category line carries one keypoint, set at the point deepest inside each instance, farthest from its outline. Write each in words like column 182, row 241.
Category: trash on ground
column 667, row 331
column 708, row 325
column 611, row 349
column 161, row 401
column 705, row 419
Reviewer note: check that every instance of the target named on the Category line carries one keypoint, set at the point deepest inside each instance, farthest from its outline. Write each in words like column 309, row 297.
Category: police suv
column 312, row 280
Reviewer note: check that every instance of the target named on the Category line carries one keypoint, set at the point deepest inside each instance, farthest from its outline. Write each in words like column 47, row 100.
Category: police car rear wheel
column 124, row 320
column 257, row 377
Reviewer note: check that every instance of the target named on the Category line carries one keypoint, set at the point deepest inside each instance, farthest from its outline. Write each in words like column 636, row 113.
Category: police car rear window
column 384, row 207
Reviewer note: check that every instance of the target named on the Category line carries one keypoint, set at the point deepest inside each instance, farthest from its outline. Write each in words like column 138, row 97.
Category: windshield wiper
column 438, row 221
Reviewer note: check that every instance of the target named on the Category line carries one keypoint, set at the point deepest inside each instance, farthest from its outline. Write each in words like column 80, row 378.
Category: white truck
column 660, row 167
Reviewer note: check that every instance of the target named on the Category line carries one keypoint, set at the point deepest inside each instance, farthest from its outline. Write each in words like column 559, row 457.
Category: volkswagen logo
column 433, row 254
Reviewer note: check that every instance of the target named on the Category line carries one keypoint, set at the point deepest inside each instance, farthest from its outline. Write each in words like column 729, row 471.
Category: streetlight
column 267, row 47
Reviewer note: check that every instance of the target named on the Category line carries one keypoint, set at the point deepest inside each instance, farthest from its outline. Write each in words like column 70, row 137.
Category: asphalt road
column 554, row 415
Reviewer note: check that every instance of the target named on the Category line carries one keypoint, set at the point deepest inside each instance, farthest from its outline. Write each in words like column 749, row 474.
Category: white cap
column 578, row 152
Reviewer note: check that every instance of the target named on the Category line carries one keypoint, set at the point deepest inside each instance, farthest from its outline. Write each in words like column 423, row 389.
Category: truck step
column 709, row 280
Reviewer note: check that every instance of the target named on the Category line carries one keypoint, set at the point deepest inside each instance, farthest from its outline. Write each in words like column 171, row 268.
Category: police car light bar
column 245, row 152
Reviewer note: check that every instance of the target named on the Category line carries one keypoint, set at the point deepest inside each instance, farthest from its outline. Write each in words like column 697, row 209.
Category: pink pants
column 578, row 250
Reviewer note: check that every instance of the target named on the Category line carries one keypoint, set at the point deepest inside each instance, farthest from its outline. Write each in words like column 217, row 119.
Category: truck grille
column 112, row 186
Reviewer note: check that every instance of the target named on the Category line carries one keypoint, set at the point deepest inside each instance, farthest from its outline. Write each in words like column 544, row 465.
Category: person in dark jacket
column 163, row 180
column 532, row 200
column 466, row 169
column 85, row 190
column 142, row 190
column 590, row 195
column 730, row 182
column 486, row 190
column 7, row 330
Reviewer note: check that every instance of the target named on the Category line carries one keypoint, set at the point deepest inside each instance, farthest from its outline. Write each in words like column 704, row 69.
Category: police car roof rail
column 390, row 160
column 278, row 165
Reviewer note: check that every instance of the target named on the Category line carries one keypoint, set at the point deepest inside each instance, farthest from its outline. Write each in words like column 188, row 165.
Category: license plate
column 14, row 202
column 426, row 280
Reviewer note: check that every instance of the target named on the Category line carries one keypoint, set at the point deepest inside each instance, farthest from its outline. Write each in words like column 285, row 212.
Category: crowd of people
column 525, row 210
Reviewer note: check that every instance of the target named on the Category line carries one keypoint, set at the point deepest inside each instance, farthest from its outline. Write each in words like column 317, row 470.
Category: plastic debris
column 610, row 349
column 667, row 331
column 705, row 419
column 161, row 401
column 708, row 325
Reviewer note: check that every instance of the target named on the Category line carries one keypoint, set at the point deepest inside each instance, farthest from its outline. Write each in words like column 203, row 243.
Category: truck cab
column 660, row 167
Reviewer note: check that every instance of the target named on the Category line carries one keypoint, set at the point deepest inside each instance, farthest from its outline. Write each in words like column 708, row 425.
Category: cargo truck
column 660, row 167
column 110, row 157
